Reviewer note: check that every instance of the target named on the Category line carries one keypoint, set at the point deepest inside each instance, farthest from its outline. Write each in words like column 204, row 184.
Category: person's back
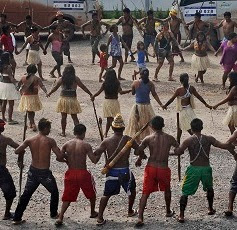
column 76, row 151
column 143, row 92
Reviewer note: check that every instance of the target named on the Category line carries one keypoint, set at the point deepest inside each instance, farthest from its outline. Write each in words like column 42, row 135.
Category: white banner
column 68, row 5
column 205, row 11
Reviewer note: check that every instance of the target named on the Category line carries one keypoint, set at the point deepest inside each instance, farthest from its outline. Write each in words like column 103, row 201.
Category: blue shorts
column 118, row 177
column 149, row 39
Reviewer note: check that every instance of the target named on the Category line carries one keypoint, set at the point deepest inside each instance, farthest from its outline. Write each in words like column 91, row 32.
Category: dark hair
column 157, row 123
column 150, row 12
column 5, row 29
column 184, row 79
column 233, row 79
column 3, row 16
column 112, row 28
column 126, row 10
column 43, row 124
column 140, row 43
column 2, row 126
column 227, row 14
column 79, row 129
column 111, row 83
column 103, row 47
column 94, row 14
column 231, row 36
column 204, row 36
column 34, row 29
column 2, row 129
column 31, row 70
column 198, row 14
column 118, row 130
column 69, row 76
column 28, row 17
column 145, row 76
column 5, row 60
column 54, row 27
column 197, row 125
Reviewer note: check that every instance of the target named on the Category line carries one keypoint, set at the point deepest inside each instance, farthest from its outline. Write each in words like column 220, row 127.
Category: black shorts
column 233, row 182
column 7, row 184
column 66, row 48
column 128, row 40
column 58, row 57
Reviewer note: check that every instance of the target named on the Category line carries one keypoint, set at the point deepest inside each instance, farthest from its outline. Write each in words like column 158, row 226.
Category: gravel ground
column 77, row 217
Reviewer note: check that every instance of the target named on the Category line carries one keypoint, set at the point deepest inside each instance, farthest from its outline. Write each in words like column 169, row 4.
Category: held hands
column 215, row 107
column 44, row 52
column 138, row 162
column 164, row 107
column 92, row 97
column 209, row 106
column 216, row 54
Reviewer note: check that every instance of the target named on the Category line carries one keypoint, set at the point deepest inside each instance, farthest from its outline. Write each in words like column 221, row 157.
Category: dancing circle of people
column 144, row 129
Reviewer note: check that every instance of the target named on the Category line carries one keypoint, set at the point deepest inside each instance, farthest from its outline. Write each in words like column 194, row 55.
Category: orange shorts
column 76, row 179
column 156, row 179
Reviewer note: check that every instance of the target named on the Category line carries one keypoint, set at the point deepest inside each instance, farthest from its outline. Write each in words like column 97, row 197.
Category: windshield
column 189, row 2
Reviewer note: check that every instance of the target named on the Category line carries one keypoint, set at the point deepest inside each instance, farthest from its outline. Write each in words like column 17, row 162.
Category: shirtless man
column 197, row 26
column 4, row 22
column 39, row 173
column 233, row 182
column 27, row 24
column 120, row 174
column 67, row 29
column 199, row 146
column 228, row 25
column 150, row 30
column 34, row 44
column 157, row 174
column 127, row 27
column 6, row 183
column 77, row 177
column 174, row 23
column 95, row 33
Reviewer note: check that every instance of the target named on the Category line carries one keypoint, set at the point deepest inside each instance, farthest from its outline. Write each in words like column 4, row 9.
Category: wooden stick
column 100, row 130
column 178, row 140
column 127, row 146
column 21, row 169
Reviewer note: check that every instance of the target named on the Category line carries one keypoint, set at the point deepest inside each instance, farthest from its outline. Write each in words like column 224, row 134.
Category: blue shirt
column 143, row 93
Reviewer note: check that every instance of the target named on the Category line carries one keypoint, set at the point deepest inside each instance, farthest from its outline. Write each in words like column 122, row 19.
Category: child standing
column 103, row 60
column 141, row 54
column 116, row 50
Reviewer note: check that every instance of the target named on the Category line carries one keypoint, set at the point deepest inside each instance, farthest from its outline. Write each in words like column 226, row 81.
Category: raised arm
column 142, row 21
column 171, row 99
column 83, row 87
column 199, row 97
column 119, row 21
column 227, row 99
column 155, row 95
column 219, row 25
column 55, row 88
column 84, row 26
column 106, row 25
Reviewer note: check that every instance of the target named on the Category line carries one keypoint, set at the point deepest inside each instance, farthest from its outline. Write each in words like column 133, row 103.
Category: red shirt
column 103, row 60
column 7, row 43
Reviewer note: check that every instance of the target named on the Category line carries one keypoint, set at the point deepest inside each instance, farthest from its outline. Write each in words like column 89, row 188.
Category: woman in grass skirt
column 200, row 61
column 30, row 101
column 142, row 111
column 67, row 102
column 111, row 106
column 8, row 92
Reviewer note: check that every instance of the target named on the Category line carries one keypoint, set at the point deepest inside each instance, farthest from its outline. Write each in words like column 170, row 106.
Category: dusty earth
column 77, row 217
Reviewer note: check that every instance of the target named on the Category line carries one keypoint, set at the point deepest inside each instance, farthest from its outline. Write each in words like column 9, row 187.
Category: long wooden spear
column 127, row 146
column 21, row 168
column 100, row 130
column 178, row 140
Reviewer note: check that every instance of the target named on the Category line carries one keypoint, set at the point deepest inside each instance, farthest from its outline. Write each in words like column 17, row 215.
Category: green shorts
column 195, row 174
column 95, row 40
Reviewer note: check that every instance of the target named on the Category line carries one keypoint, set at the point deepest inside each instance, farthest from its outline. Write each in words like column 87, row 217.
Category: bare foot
column 70, row 61
column 19, row 222
column 155, row 79
column 182, row 60
column 181, row 219
column 58, row 223
column 170, row 213
column 133, row 213
column 171, row 79
column 223, row 87
column 94, row 214
column 101, row 222
column 228, row 213
column 139, row 224
column 52, row 75
column 211, row 212
column 121, row 79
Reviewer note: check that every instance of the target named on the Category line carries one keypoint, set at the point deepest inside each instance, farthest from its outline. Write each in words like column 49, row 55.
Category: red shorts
column 156, row 179
column 76, row 179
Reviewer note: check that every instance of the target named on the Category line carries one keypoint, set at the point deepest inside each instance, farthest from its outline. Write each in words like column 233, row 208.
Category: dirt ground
column 77, row 216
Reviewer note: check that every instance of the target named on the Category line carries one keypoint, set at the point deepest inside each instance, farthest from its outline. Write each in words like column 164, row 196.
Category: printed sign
column 205, row 11
column 68, row 5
